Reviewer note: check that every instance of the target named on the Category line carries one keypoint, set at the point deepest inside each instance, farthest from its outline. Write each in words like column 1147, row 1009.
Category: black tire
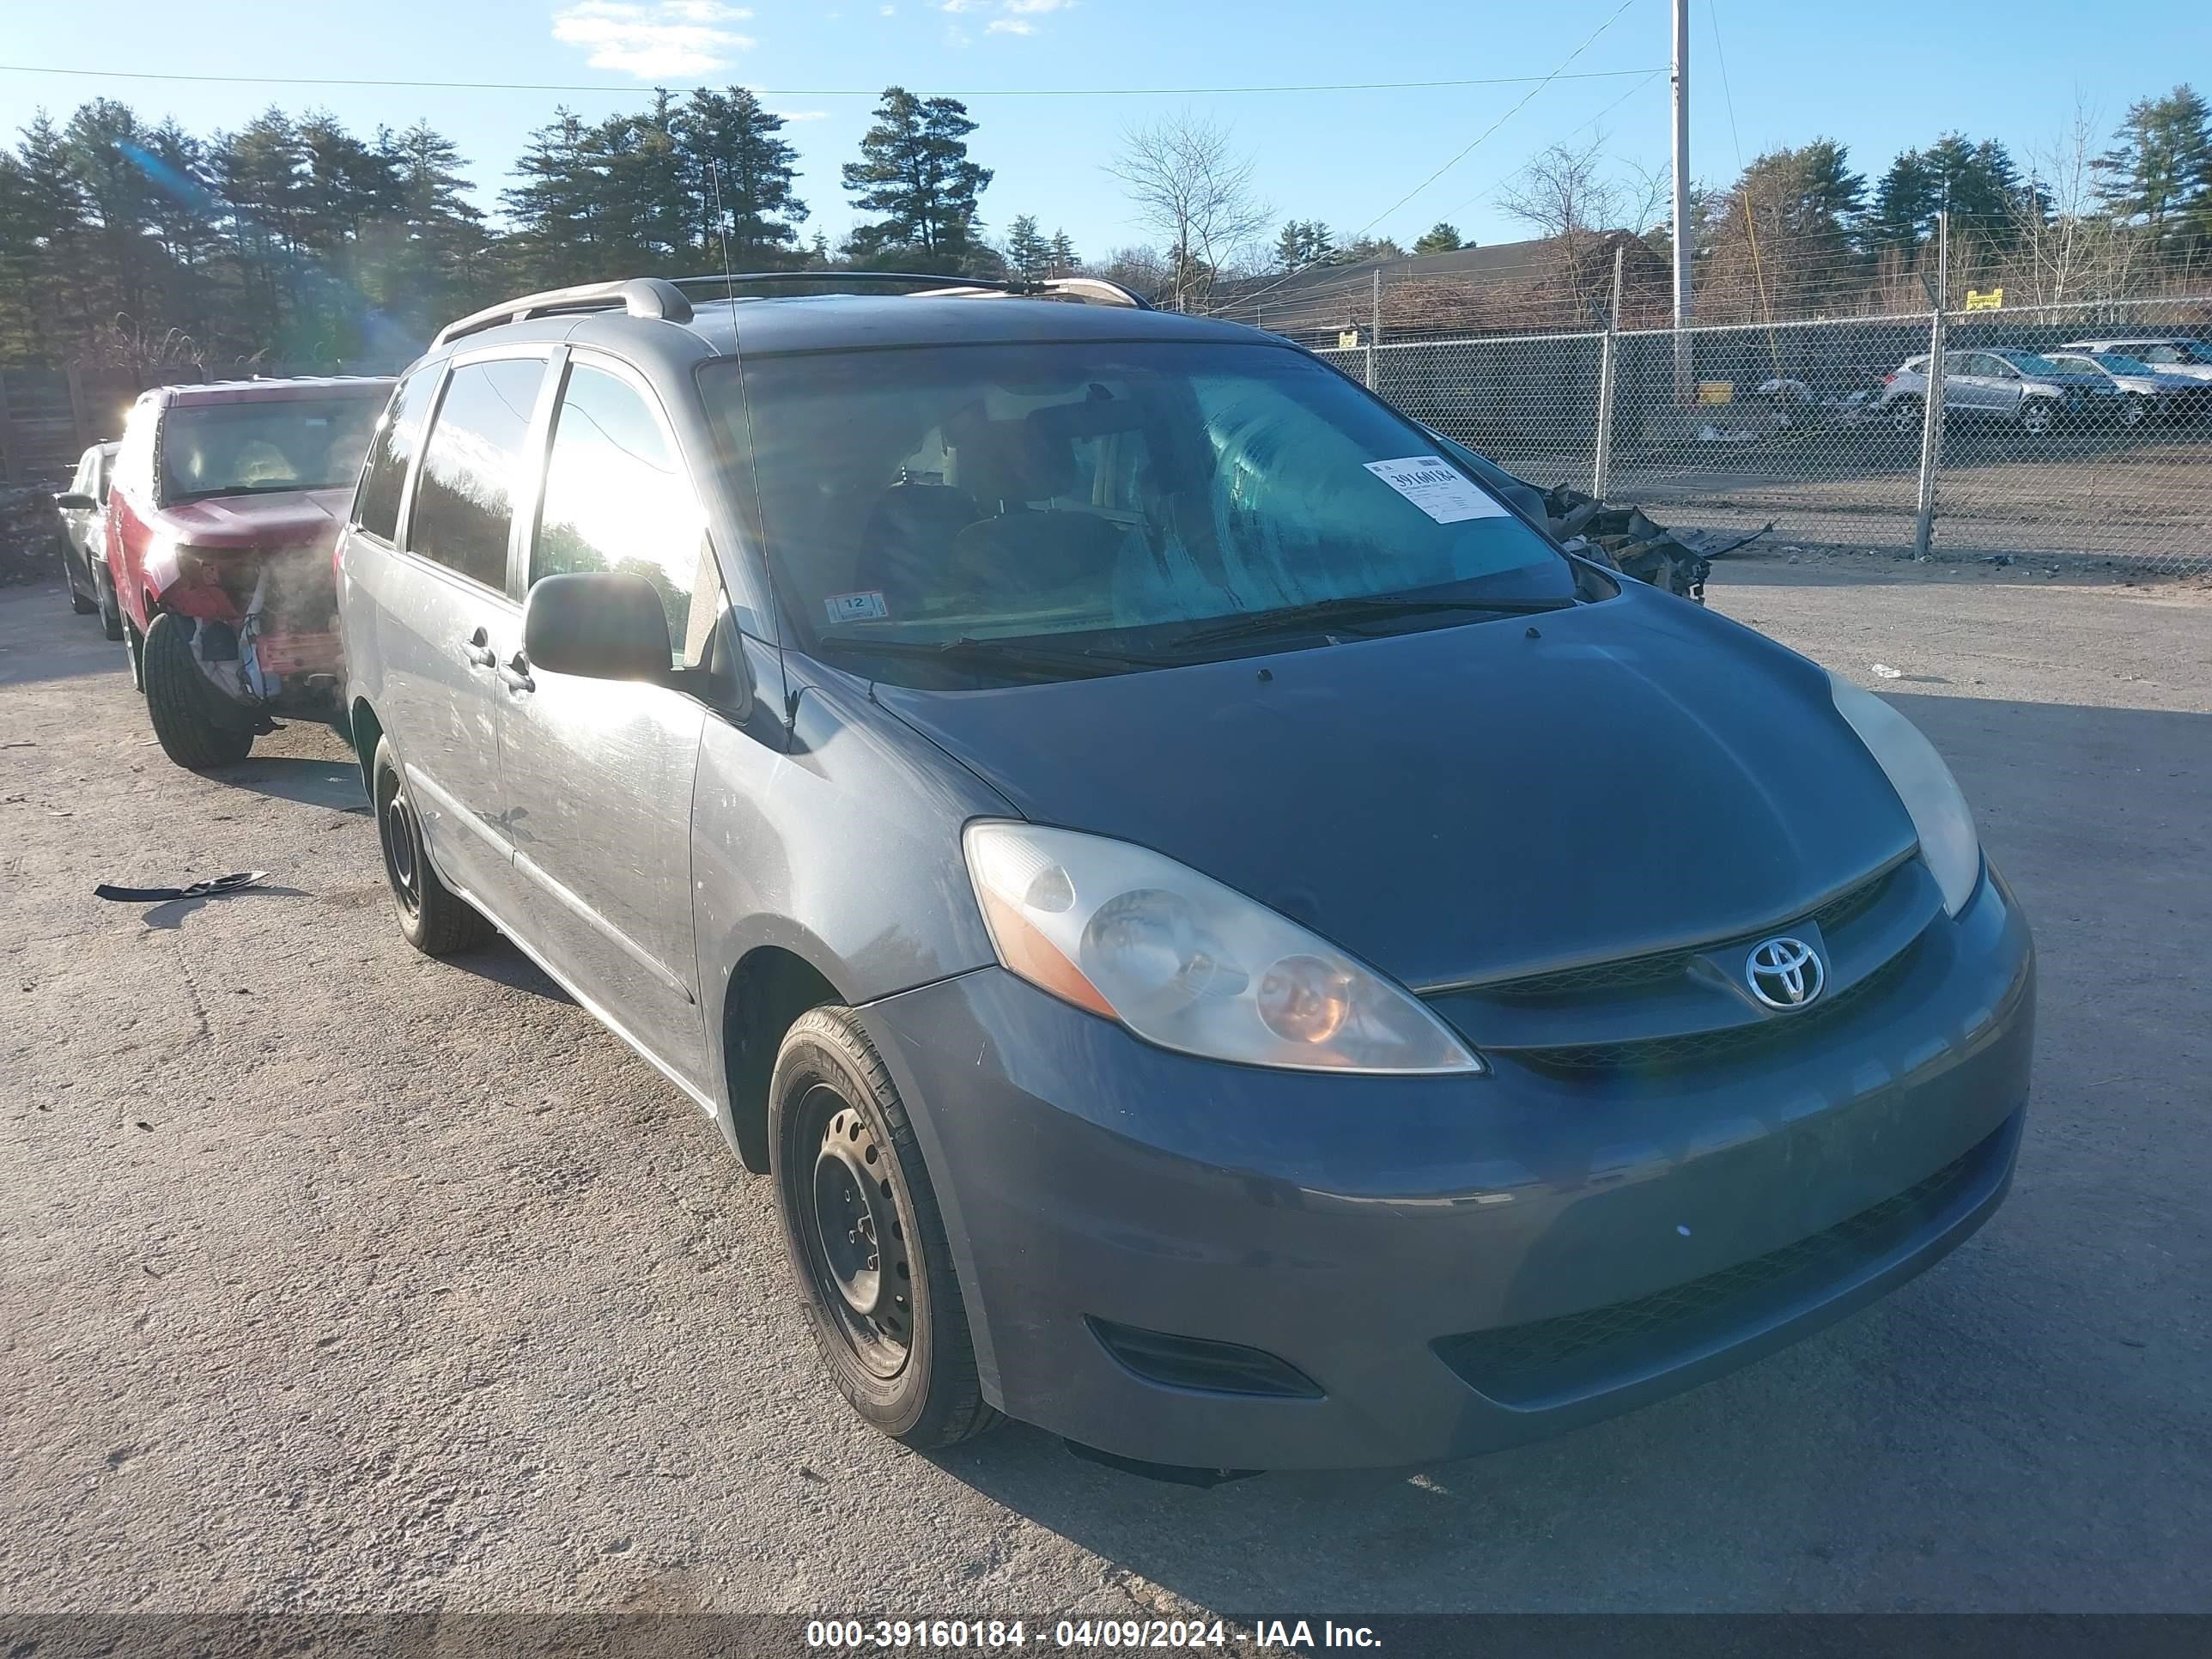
column 434, row 919
column 82, row 603
column 1906, row 417
column 2135, row 409
column 2037, row 417
column 111, row 609
column 195, row 730
column 881, row 1294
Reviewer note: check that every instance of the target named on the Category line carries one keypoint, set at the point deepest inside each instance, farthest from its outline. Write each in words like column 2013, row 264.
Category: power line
column 1571, row 132
column 813, row 92
column 1559, row 74
column 1556, row 75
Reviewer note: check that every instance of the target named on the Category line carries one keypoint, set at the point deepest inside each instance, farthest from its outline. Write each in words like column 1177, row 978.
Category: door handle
column 477, row 649
column 514, row 674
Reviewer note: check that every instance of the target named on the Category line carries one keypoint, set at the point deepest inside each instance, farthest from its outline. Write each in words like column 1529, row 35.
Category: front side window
column 134, row 461
column 376, row 503
column 464, row 496
column 1103, row 497
column 264, row 445
column 616, row 499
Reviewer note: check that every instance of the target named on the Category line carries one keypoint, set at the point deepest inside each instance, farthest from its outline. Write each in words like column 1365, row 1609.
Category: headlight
column 1187, row 964
column 1945, row 823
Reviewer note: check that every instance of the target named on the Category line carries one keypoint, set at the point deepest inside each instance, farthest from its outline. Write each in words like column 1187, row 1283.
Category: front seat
column 906, row 551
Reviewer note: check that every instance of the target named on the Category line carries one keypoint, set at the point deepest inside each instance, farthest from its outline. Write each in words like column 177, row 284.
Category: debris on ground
column 1634, row 545
column 215, row 887
column 1882, row 671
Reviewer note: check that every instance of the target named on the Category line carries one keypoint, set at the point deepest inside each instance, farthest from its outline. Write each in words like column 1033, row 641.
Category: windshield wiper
column 223, row 490
column 1354, row 608
column 967, row 651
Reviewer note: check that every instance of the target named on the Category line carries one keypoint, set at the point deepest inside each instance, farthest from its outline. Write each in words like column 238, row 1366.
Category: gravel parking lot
column 334, row 1278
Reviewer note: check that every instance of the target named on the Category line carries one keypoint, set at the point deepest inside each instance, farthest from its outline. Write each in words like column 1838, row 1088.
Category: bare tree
column 2073, row 249
column 1568, row 195
column 1193, row 187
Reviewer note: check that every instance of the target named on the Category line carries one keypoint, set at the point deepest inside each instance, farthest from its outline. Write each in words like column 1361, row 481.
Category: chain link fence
column 2069, row 429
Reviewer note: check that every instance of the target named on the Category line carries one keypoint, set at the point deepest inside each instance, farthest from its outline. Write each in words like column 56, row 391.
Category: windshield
column 1105, row 498
column 2120, row 363
column 245, row 448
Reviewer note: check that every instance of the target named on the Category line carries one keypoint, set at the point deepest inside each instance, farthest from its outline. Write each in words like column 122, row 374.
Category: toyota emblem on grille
column 1784, row 973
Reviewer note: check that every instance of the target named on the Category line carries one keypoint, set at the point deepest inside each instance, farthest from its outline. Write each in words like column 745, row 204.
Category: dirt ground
column 334, row 1278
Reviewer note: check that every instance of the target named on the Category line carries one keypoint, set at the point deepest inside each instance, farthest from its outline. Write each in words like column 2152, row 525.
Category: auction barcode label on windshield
column 1442, row 491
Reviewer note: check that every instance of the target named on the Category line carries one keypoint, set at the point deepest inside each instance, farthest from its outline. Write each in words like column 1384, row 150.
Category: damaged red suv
column 225, row 504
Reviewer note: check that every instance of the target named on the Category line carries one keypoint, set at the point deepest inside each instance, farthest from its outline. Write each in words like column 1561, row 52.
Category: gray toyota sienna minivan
column 1146, row 849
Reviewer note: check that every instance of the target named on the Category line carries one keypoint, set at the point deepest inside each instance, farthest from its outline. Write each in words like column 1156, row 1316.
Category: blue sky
column 1879, row 74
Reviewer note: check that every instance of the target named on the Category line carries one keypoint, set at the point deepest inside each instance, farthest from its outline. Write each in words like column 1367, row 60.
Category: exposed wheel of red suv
column 194, row 731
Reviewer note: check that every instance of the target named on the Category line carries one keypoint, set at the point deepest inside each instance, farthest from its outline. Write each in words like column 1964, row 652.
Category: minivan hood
column 1467, row 803
column 228, row 523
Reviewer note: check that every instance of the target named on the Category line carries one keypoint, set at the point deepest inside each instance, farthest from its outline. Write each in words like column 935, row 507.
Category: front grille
column 1702, row 1047
column 1634, row 973
column 1489, row 1360
column 1193, row 1362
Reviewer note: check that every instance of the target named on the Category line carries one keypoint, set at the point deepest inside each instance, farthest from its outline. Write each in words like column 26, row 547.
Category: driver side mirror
column 599, row 625
column 74, row 501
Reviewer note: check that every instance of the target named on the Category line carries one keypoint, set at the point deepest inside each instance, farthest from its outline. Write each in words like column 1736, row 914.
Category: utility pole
column 1680, row 82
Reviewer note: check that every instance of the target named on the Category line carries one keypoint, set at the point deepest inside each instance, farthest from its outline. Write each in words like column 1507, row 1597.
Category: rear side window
column 376, row 503
column 616, row 499
column 465, row 499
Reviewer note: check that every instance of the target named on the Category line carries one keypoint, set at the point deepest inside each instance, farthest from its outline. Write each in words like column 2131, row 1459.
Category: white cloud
column 662, row 38
column 958, row 6
column 1010, row 25
column 1033, row 7
column 801, row 114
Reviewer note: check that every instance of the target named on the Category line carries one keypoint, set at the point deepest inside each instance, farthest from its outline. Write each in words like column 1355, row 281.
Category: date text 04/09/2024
column 880, row 1634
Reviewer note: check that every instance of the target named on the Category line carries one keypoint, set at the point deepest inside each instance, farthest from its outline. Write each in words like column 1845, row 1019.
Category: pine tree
column 730, row 142
column 1061, row 255
column 1439, row 237
column 1027, row 251
column 916, row 176
column 553, row 210
column 2159, row 172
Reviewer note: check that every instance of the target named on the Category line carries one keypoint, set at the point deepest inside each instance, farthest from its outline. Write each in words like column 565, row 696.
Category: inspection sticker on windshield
column 1442, row 491
column 856, row 607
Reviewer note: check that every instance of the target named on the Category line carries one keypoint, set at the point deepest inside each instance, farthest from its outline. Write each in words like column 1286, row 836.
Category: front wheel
column 866, row 1240
column 1906, row 418
column 196, row 730
column 2035, row 418
column 436, row 921
column 2135, row 409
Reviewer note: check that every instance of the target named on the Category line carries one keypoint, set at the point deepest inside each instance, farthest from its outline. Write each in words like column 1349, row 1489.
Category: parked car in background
column 2013, row 388
column 2166, row 354
column 1122, row 826
column 83, row 508
column 2145, row 391
column 224, row 504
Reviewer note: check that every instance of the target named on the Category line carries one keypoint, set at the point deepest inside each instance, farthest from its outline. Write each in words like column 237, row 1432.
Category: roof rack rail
column 666, row 298
column 1088, row 289
column 641, row 296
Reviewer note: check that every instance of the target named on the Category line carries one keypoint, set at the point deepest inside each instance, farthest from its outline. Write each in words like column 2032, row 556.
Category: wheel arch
column 771, row 986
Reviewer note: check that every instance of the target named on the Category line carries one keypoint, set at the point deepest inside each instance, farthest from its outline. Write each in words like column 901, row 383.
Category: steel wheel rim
column 855, row 1245
column 402, row 867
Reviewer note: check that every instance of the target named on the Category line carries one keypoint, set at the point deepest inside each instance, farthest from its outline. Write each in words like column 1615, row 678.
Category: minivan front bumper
column 1431, row 1267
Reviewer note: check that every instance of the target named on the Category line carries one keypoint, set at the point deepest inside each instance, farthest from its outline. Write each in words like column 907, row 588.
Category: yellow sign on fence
column 1716, row 392
column 1347, row 339
column 1993, row 300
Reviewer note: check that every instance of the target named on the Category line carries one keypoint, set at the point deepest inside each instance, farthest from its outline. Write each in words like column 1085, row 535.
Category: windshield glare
column 1103, row 494
column 2029, row 363
column 241, row 448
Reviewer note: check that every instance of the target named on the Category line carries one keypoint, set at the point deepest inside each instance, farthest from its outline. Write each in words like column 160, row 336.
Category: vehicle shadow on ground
column 1906, row 1457
column 335, row 784
column 502, row 964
